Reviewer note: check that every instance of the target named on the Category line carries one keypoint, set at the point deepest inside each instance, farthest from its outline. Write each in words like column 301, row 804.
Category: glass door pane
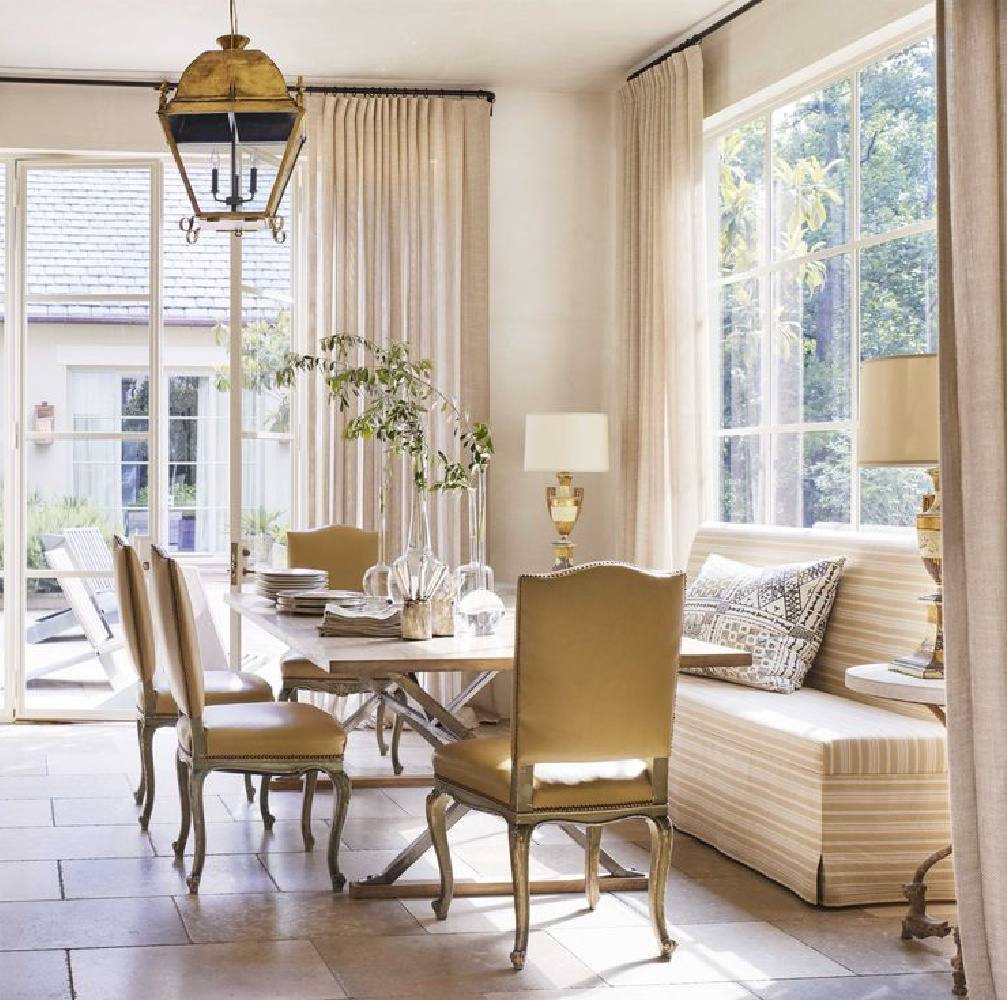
column 87, row 414
column 6, row 705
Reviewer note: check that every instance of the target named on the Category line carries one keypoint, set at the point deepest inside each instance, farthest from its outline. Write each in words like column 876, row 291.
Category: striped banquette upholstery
column 836, row 796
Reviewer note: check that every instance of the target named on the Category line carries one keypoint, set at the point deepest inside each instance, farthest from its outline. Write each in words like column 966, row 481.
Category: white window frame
column 841, row 66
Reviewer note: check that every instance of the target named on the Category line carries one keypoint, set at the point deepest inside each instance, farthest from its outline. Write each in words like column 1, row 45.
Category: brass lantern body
column 233, row 104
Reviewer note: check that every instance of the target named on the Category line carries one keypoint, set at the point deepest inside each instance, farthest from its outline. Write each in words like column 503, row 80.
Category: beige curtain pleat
column 663, row 311
column 972, row 228
column 395, row 245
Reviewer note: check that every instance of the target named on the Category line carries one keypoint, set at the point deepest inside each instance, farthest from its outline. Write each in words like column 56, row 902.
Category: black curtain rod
column 73, row 81
column 696, row 38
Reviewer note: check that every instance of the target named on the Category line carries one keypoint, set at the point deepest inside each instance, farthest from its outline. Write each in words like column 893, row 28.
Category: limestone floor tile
column 242, row 838
column 291, row 915
column 89, row 923
column 123, row 811
column 226, row 874
column 25, row 880
column 692, row 991
column 361, row 833
column 724, row 900
column 868, row 945
column 930, row 986
column 699, row 860
column 14, row 760
column 38, row 975
column 369, row 803
column 495, row 914
column 21, row 786
column 706, row 953
column 491, row 858
column 258, row 970
column 93, row 762
column 43, row 843
column 309, row 872
column 25, row 812
column 438, row 965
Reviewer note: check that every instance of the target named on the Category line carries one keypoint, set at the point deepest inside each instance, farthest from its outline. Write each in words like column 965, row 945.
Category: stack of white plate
column 270, row 583
column 313, row 602
column 377, row 620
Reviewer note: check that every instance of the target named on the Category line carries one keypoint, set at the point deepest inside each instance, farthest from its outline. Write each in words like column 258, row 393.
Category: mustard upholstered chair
column 596, row 663
column 267, row 738
column 344, row 553
column 156, row 707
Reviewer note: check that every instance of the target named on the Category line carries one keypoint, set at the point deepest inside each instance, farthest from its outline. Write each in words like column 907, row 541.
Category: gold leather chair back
column 134, row 608
column 345, row 553
column 595, row 664
column 178, row 626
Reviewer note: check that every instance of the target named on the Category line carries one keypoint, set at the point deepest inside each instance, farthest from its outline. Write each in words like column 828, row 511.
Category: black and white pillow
column 778, row 613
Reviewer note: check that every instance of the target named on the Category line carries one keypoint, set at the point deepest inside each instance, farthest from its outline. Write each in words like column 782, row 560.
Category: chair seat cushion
column 810, row 729
column 221, row 687
column 484, row 766
column 267, row 730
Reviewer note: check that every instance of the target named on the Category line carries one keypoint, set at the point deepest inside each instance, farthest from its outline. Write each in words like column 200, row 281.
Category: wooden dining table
column 388, row 667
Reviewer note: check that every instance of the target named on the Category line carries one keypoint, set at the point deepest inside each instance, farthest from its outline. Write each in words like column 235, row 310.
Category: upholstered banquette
column 836, row 796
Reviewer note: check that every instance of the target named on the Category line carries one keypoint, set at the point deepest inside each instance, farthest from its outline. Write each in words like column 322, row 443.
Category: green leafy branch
column 397, row 395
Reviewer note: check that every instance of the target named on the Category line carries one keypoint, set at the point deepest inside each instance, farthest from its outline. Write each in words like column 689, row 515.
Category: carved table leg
column 959, row 989
column 916, row 923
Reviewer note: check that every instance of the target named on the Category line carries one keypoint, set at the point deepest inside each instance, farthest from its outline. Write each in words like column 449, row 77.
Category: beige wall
column 782, row 37
column 551, row 276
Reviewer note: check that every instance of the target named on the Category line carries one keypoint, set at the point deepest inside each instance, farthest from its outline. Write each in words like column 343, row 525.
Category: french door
column 134, row 406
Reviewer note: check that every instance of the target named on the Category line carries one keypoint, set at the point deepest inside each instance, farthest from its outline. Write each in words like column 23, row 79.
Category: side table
column 878, row 680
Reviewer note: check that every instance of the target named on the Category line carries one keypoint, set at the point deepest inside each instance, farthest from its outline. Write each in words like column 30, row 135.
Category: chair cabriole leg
column 520, row 843
column 147, row 765
column 196, row 779
column 661, row 834
column 267, row 817
column 437, row 803
column 379, row 729
column 340, row 803
column 182, row 772
column 249, row 788
column 138, row 795
column 592, row 854
column 310, row 780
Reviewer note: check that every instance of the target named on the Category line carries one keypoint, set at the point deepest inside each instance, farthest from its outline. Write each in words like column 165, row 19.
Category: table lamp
column 900, row 426
column 565, row 443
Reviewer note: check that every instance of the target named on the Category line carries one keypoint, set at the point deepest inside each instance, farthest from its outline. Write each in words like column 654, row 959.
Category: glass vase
column 479, row 608
column 418, row 573
column 377, row 579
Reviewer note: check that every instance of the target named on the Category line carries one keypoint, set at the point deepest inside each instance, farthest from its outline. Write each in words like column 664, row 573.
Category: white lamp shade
column 566, row 442
column 899, row 411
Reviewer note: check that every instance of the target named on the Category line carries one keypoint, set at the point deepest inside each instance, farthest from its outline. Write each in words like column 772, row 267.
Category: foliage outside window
column 826, row 255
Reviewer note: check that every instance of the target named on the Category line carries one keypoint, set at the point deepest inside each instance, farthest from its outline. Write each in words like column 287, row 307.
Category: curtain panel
column 393, row 245
column 662, row 322
column 972, row 228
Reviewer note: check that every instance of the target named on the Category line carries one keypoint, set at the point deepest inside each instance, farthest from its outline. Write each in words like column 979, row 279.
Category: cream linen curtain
column 393, row 245
column 662, row 319
column 972, row 53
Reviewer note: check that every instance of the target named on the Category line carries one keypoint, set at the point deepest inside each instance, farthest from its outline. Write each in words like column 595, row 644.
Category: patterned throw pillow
column 779, row 613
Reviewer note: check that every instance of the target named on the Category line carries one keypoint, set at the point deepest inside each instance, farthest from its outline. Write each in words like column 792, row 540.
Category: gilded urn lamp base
column 564, row 503
column 928, row 659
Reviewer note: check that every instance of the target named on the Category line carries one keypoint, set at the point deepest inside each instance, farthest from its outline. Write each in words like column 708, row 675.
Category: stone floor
column 93, row 909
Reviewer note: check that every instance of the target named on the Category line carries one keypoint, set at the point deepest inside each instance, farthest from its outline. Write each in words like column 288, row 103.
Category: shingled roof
column 88, row 235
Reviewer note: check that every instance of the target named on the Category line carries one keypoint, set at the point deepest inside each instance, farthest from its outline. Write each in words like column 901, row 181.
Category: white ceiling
column 540, row 44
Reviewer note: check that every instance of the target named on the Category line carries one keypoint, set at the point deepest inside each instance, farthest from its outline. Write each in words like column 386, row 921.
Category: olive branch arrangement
column 397, row 394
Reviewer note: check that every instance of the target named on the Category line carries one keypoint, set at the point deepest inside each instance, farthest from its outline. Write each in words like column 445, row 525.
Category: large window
column 825, row 255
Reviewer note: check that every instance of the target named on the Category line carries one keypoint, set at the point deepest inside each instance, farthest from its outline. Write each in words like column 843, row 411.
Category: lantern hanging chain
column 234, row 17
